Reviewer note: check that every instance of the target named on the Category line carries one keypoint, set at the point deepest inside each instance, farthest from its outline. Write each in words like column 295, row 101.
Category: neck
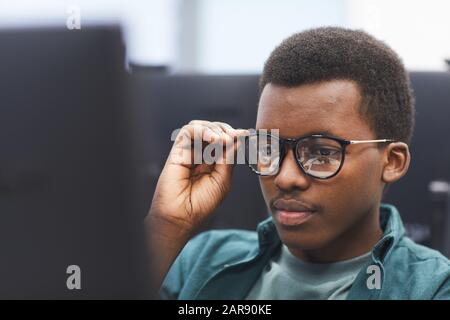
column 355, row 242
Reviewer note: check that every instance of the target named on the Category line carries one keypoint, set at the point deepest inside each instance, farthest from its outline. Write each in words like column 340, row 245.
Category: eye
column 324, row 152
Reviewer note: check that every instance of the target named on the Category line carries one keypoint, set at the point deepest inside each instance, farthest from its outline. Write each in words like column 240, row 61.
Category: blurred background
column 91, row 91
column 233, row 36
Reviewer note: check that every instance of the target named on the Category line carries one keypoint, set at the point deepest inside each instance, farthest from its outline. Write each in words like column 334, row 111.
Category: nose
column 290, row 175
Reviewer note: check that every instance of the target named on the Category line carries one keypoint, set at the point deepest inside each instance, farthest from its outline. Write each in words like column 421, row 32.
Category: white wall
column 236, row 36
column 418, row 30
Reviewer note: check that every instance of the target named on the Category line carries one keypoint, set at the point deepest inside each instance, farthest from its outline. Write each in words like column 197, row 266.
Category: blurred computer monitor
column 66, row 168
column 430, row 152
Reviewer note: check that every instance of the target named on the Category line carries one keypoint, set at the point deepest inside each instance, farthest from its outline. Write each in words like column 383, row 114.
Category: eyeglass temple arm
column 370, row 141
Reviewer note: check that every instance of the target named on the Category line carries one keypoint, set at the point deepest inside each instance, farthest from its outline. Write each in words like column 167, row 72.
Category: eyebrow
column 322, row 132
column 327, row 133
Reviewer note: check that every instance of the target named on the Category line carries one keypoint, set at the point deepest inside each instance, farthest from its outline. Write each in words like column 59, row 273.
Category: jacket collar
column 393, row 230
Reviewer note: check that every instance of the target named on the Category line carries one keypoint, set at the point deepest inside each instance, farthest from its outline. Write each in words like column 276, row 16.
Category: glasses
column 318, row 156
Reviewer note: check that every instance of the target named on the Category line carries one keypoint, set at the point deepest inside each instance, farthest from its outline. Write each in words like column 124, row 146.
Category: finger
column 237, row 134
column 236, row 153
column 214, row 132
column 217, row 126
column 225, row 132
column 208, row 124
column 230, row 130
column 225, row 137
column 198, row 131
column 225, row 127
column 189, row 139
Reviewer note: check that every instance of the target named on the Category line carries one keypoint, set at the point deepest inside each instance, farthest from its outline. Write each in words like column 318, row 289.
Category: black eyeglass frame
column 294, row 145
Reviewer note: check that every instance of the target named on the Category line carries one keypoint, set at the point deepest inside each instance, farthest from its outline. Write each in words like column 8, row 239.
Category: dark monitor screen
column 66, row 178
column 430, row 153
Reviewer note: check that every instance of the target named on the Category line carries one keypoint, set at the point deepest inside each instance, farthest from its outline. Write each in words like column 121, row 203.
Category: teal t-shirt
column 289, row 278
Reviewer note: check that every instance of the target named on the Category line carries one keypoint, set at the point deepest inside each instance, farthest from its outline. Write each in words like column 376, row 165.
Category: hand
column 188, row 193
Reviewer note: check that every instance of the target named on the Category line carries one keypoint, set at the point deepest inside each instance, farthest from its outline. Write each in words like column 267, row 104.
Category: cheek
column 355, row 190
column 365, row 173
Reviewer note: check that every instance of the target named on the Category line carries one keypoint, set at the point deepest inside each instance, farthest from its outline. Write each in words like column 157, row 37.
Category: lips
column 291, row 212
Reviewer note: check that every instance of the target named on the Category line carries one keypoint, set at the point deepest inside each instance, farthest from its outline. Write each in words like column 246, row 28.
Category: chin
column 302, row 240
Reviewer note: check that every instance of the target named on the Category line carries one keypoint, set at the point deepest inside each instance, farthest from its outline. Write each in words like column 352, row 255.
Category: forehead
column 327, row 107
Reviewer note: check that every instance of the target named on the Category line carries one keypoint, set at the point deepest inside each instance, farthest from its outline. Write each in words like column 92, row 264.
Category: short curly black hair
column 333, row 53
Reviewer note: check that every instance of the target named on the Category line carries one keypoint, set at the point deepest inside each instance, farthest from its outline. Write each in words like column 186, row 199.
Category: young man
column 343, row 106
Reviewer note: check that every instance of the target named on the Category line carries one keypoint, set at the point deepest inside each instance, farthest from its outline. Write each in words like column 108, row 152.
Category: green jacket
column 226, row 264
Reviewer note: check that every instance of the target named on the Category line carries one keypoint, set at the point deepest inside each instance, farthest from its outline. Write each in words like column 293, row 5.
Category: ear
column 396, row 162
